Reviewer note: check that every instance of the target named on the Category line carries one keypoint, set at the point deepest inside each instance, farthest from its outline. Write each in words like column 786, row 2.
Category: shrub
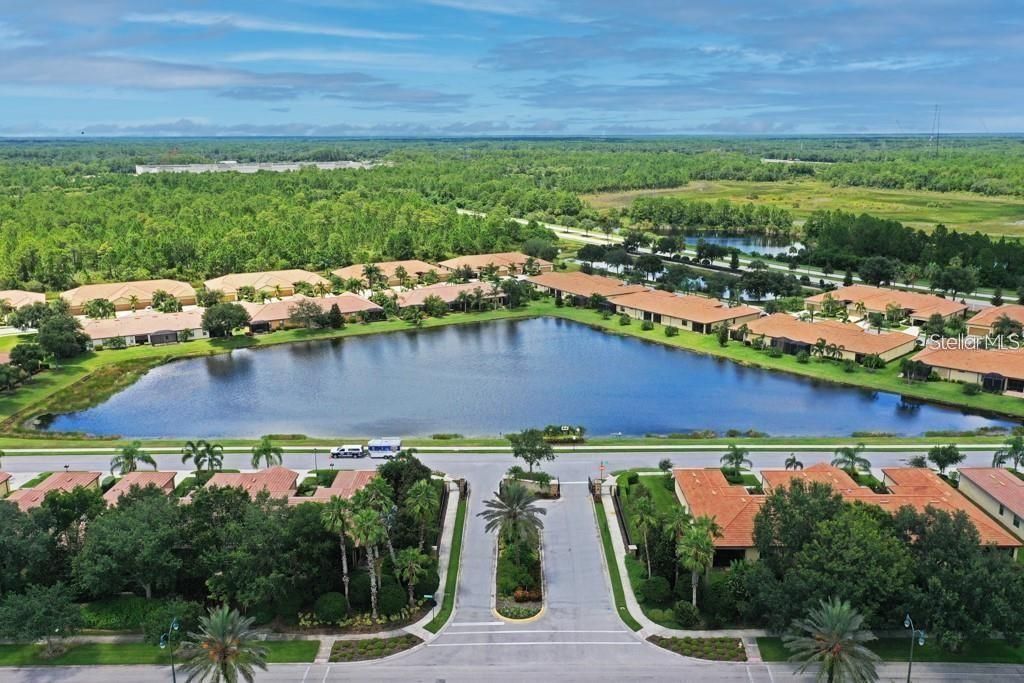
column 972, row 389
column 686, row 614
column 624, row 320
column 802, row 357
column 647, row 326
column 159, row 619
column 632, row 479
column 116, row 343
column 655, row 590
column 118, row 613
column 359, row 591
column 331, row 607
column 429, row 583
column 391, row 599
column 774, row 352
column 849, row 365
column 671, row 331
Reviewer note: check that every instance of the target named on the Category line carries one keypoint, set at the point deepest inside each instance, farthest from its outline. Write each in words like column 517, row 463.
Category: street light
column 315, row 467
column 66, row 468
column 166, row 644
column 915, row 634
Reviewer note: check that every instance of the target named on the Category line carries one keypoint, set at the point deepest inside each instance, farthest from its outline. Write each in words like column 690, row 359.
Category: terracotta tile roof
column 877, row 298
column 280, row 482
column 5, row 357
column 822, row 473
column 986, row 318
column 18, row 298
column 708, row 493
column 4, row 476
column 146, row 322
column 413, row 268
column 346, row 484
column 1000, row 483
column 500, row 259
column 266, row 280
column 853, row 338
column 687, row 307
column 275, row 311
column 58, row 481
column 1007, row 362
column 121, row 292
column 583, row 285
column 447, row 293
column 161, row 480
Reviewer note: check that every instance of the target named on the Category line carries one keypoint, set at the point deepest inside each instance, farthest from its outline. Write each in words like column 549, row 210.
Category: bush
column 849, row 365
column 972, row 389
column 647, row 326
column 428, row 584
column 158, row 620
column 686, row 614
column 118, row 613
column 802, row 357
column 632, row 479
column 624, row 320
column 774, row 352
column 391, row 599
column 331, row 607
column 359, row 591
column 671, row 331
column 655, row 591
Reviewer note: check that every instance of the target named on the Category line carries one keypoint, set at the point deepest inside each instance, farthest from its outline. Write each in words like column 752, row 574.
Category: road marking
column 770, row 676
column 306, row 674
column 516, row 632
column 539, row 642
column 326, row 674
column 750, row 676
column 478, row 623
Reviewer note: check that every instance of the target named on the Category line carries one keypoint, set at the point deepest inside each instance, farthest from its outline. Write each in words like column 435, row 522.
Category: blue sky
column 509, row 67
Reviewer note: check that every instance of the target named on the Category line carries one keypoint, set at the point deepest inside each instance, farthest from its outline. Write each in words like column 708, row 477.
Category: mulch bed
column 717, row 649
column 371, row 648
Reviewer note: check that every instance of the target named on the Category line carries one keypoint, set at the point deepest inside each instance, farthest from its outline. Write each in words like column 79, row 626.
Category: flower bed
column 371, row 648
column 717, row 649
column 520, row 586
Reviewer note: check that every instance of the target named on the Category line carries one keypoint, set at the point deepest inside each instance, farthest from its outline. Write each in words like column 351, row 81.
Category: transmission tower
column 936, row 128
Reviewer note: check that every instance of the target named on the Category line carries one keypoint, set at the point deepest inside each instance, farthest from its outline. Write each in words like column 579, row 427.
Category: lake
column 769, row 246
column 488, row 378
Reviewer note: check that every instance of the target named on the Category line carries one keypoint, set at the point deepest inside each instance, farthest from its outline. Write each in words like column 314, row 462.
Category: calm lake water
column 745, row 243
column 490, row 378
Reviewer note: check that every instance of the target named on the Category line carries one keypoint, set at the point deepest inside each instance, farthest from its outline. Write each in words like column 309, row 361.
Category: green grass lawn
column 451, row 582
column 279, row 652
column 898, row 650
column 663, row 496
column 918, row 208
column 618, row 592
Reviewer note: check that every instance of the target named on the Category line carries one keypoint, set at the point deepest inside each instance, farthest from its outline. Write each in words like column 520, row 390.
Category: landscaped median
column 371, row 648
column 716, row 649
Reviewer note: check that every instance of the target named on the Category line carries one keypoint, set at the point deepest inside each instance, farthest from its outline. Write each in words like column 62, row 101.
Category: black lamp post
column 166, row 643
column 315, row 467
column 915, row 634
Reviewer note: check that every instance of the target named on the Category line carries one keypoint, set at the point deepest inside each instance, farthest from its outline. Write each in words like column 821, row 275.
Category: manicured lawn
column 452, row 580
column 898, row 649
column 279, row 651
column 663, row 496
column 618, row 592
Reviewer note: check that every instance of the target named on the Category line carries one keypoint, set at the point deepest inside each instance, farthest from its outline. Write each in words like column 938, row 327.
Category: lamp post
column 915, row 634
column 167, row 644
column 316, row 468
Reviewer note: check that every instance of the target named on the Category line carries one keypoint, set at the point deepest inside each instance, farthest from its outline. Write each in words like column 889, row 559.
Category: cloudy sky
column 501, row 67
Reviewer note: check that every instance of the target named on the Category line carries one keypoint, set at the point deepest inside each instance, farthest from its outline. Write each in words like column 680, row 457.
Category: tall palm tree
column 129, row 458
column 378, row 495
column 850, row 459
column 202, row 453
column 372, row 274
column 793, row 464
column 265, row 451
column 462, row 299
column 736, row 459
column 832, row 636
column 278, row 292
column 513, row 512
column 644, row 516
column 696, row 552
column 411, row 567
column 676, row 523
column 336, row 517
column 422, row 503
column 367, row 533
column 1013, row 453
column 223, row 650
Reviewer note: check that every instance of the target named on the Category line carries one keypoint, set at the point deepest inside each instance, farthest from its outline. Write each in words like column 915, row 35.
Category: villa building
column 707, row 493
column 914, row 305
column 981, row 324
column 688, row 312
column 449, row 294
column 506, row 263
column 162, row 480
column 127, row 296
column 16, row 298
column 996, row 370
column 414, row 270
column 346, row 484
column 997, row 491
column 277, row 283
column 26, row 499
column 790, row 335
column 276, row 315
column 279, row 482
column 149, row 327
column 577, row 288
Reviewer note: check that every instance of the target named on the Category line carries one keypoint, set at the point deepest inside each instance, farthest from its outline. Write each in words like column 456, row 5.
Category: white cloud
column 391, row 60
column 248, row 23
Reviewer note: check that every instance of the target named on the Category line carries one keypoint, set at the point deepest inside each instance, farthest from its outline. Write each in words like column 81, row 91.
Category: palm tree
column 133, row 302
column 321, row 289
column 463, row 299
column 644, row 516
column 336, row 517
column 129, row 458
column 696, row 553
column 422, row 503
column 224, row 649
column 411, row 567
column 203, row 453
column 850, row 459
column 267, row 452
column 278, row 292
column 818, row 349
column 367, row 533
column 514, row 514
column 793, row 464
column 378, row 496
column 676, row 523
column 736, row 459
column 832, row 636
column 1013, row 452
column 372, row 274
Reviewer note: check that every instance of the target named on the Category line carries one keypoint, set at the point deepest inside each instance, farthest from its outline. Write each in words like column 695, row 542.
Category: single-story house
column 279, row 482
column 707, row 493
column 688, row 312
column 997, row 491
column 5, row 483
column 996, row 370
column 16, row 298
column 578, row 287
column 276, row 315
column 26, row 499
column 149, row 327
column 162, row 480
column 414, row 269
column 273, row 282
column 346, row 484
column 791, row 335
column 126, row 295
column 448, row 293
column 981, row 324
column 915, row 305
column 507, row 263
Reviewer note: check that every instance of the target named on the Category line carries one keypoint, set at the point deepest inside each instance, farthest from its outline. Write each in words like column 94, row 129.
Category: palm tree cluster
column 514, row 514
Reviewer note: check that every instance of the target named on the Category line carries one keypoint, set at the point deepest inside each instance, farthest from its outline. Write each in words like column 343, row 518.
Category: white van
column 348, row 451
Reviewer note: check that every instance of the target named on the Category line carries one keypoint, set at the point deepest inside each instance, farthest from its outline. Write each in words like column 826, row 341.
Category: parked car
column 348, row 451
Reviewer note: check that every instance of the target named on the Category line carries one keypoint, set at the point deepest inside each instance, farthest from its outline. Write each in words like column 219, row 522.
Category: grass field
column 898, row 650
column 957, row 210
column 279, row 652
